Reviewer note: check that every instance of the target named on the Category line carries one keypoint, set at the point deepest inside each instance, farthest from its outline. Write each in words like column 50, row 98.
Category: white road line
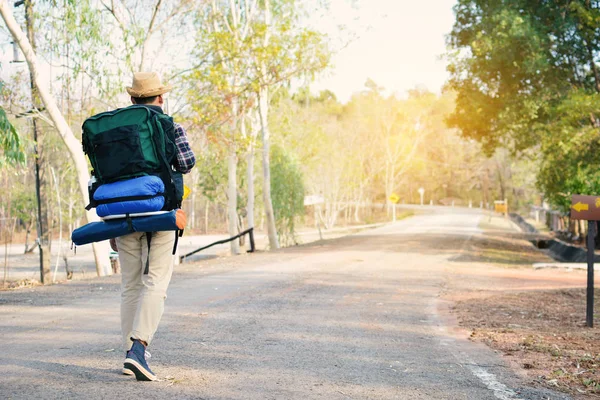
column 500, row 390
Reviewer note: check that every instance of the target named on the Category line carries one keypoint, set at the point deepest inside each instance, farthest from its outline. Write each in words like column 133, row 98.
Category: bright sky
column 399, row 45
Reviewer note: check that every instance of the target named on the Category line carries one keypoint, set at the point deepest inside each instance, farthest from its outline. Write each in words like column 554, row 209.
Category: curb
column 568, row 266
column 557, row 249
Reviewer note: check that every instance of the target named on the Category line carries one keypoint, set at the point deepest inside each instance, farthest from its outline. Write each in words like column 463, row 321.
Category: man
column 143, row 295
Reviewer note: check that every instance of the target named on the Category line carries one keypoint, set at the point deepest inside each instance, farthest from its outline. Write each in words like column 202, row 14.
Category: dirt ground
column 535, row 318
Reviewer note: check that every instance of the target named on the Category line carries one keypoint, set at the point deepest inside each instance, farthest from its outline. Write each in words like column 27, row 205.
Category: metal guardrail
column 249, row 232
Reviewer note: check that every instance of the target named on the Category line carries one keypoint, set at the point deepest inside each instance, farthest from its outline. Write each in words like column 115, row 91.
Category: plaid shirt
column 185, row 156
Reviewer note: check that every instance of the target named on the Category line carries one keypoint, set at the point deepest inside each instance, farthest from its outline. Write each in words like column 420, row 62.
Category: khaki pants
column 143, row 296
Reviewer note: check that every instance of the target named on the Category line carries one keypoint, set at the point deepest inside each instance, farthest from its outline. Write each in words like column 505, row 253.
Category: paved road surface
column 352, row 318
column 81, row 260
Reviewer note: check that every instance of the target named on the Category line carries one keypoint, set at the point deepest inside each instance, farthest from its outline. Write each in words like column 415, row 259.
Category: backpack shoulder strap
column 160, row 149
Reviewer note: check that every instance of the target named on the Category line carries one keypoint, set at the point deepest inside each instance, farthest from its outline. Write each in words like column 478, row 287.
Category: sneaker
column 136, row 362
column 127, row 371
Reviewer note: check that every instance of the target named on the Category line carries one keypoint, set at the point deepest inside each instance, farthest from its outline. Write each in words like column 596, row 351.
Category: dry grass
column 535, row 318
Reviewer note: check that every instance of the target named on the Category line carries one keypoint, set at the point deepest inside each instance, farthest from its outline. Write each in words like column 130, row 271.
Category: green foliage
column 571, row 148
column 212, row 170
column 24, row 205
column 235, row 60
column 287, row 193
column 347, row 152
column 10, row 143
column 526, row 76
column 77, row 33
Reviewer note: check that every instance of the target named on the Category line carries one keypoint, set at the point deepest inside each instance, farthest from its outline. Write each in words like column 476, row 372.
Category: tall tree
column 284, row 49
column 526, row 74
column 41, row 185
column 101, row 250
column 219, row 84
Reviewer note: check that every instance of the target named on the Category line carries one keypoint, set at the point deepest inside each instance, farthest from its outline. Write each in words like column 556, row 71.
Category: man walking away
column 146, row 257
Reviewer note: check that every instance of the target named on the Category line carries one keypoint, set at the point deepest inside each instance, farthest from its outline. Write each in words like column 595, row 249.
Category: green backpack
column 131, row 142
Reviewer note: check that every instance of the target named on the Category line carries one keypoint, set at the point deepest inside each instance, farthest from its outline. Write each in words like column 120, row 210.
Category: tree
column 288, row 194
column 526, row 76
column 284, row 50
column 101, row 250
column 219, row 82
column 247, row 49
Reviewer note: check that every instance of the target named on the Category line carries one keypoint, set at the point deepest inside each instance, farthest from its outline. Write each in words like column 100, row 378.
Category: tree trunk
column 232, row 200
column 206, row 216
column 8, row 216
column 357, row 199
column 250, row 177
column 255, row 127
column 71, row 204
column 501, row 181
column 357, row 211
column 388, row 192
column 263, row 105
column 60, row 222
column 27, row 232
column 217, row 212
column 101, row 249
column 43, row 227
column 263, row 114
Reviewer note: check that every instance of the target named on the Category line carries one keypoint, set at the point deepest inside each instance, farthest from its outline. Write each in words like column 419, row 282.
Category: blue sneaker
column 136, row 362
column 127, row 371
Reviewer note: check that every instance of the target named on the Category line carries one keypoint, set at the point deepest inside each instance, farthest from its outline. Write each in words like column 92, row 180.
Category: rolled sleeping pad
column 151, row 187
column 104, row 230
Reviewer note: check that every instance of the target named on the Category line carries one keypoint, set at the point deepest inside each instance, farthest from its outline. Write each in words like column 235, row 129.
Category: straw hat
column 147, row 84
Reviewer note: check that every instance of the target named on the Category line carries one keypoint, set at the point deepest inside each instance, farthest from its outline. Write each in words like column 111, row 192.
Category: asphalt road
column 81, row 260
column 352, row 318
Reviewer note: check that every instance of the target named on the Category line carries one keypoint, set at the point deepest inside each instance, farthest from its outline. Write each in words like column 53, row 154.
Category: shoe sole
column 127, row 371
column 141, row 373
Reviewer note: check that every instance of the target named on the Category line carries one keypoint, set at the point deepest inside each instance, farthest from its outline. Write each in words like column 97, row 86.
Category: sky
column 396, row 43
column 399, row 45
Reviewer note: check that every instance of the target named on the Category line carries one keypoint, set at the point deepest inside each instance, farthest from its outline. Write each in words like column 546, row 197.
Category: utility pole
column 42, row 217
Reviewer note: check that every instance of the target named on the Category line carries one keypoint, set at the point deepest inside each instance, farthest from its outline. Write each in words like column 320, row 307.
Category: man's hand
column 113, row 244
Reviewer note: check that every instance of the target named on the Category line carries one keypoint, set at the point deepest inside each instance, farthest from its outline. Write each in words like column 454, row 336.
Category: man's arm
column 185, row 156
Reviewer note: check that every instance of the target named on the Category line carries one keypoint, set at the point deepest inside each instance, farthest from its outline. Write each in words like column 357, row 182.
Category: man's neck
column 153, row 106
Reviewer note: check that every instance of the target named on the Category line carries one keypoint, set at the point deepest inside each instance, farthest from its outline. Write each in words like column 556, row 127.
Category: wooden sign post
column 588, row 208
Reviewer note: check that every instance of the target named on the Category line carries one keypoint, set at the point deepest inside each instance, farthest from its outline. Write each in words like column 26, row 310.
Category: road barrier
column 249, row 232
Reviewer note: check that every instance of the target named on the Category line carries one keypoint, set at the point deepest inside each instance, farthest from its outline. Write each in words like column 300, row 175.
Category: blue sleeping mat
column 104, row 230
column 149, row 190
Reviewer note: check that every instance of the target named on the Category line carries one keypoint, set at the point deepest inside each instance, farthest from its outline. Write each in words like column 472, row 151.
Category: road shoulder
column 534, row 318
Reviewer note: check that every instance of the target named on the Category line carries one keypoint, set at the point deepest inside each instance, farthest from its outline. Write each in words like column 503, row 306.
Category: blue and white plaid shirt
column 185, row 156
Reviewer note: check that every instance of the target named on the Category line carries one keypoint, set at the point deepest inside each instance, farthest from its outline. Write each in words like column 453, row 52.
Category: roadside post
column 394, row 198
column 587, row 208
column 421, row 193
